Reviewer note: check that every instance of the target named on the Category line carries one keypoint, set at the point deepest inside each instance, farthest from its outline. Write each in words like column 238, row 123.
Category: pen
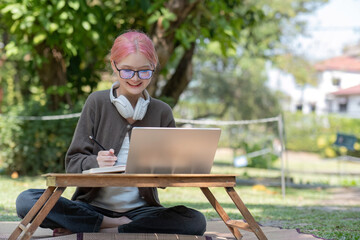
column 92, row 138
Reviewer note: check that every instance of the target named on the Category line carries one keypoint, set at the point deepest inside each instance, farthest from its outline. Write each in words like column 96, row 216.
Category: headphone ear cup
column 124, row 107
column 140, row 109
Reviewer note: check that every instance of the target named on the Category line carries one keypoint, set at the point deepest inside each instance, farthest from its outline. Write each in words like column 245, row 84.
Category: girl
column 109, row 116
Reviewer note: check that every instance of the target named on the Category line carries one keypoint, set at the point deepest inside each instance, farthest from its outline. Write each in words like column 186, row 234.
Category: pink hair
column 133, row 42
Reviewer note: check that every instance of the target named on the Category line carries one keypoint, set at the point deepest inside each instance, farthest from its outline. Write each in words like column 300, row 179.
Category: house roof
column 355, row 90
column 341, row 63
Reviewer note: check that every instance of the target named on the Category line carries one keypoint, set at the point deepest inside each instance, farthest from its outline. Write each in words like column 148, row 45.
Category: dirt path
column 344, row 197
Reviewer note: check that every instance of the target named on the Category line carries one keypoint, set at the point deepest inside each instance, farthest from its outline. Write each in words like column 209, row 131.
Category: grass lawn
column 302, row 208
column 310, row 210
column 304, row 168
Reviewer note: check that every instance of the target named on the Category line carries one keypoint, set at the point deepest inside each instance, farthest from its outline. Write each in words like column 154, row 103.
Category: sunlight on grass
column 302, row 208
column 302, row 170
column 11, row 188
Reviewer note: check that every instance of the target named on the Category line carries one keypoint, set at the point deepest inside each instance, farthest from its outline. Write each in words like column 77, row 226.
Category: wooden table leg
column 43, row 213
column 246, row 214
column 45, row 203
column 220, row 211
column 32, row 213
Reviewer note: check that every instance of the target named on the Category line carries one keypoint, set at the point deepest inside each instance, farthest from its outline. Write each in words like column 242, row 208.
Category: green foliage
column 317, row 133
column 263, row 161
column 301, row 131
column 34, row 147
column 77, row 34
column 80, row 33
column 73, row 28
column 229, row 78
column 301, row 69
column 230, row 88
column 58, row 48
column 247, row 140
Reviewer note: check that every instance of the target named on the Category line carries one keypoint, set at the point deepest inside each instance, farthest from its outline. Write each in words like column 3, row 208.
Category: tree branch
column 212, row 114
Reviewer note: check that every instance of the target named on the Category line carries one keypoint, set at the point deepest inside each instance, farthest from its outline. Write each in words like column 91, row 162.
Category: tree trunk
column 52, row 73
column 164, row 38
column 181, row 78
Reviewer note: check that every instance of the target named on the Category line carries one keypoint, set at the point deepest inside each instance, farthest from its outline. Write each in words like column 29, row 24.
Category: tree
column 228, row 87
column 234, row 81
column 65, row 43
column 301, row 69
column 60, row 43
column 56, row 54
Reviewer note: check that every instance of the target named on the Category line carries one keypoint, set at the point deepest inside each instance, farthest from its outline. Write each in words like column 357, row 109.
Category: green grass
column 11, row 188
column 302, row 208
column 307, row 170
column 305, row 209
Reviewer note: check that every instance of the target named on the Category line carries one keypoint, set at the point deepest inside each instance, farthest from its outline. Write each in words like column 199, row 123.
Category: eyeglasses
column 128, row 73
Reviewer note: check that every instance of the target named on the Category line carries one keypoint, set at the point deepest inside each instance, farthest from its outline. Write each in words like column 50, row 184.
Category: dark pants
column 78, row 216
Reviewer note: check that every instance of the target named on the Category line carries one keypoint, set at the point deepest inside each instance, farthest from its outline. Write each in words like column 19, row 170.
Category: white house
column 334, row 75
column 339, row 81
column 345, row 101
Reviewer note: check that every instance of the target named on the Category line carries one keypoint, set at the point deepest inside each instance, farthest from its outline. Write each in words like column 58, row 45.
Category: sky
column 330, row 28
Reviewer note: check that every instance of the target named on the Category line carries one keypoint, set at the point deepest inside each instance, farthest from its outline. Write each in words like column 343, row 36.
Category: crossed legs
column 76, row 216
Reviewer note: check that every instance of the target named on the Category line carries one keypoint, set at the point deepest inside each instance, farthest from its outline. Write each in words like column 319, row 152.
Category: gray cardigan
column 100, row 119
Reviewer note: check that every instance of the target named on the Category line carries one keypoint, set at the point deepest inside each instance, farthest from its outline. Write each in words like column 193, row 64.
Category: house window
column 336, row 82
column 342, row 107
column 299, row 107
column 342, row 101
column 312, row 107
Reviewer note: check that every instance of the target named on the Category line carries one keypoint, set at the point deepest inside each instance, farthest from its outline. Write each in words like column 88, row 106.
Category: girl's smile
column 134, row 85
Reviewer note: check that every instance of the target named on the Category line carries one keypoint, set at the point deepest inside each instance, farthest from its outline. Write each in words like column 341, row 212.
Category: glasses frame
column 137, row 72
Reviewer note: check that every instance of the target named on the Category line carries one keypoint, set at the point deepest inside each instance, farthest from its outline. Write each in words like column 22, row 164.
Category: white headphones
column 125, row 108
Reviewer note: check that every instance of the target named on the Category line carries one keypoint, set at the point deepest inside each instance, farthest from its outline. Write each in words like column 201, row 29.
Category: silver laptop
column 172, row 150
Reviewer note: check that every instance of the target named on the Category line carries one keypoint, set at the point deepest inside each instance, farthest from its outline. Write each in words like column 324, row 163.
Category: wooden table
column 57, row 183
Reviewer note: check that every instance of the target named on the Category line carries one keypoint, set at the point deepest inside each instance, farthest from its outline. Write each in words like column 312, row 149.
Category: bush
column 34, row 147
column 259, row 159
column 262, row 161
column 314, row 133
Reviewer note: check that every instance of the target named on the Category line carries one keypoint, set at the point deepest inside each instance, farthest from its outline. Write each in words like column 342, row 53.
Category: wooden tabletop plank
column 140, row 180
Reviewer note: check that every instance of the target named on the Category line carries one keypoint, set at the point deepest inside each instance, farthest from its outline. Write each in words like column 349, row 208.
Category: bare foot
column 124, row 220
column 61, row 232
column 114, row 222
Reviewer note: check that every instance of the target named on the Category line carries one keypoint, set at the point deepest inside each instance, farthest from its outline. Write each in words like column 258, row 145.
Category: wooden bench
column 57, row 183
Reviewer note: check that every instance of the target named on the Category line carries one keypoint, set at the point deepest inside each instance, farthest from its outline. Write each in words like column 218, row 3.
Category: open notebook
column 112, row 169
column 169, row 151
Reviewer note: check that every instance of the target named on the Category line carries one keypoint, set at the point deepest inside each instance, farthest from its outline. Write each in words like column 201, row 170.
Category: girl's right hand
column 106, row 158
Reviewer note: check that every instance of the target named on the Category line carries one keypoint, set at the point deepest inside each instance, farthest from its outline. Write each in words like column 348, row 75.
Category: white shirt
column 119, row 199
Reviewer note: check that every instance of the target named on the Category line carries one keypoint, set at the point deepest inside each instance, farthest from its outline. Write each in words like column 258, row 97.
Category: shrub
column 254, row 153
column 317, row 133
column 262, row 161
column 34, row 147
